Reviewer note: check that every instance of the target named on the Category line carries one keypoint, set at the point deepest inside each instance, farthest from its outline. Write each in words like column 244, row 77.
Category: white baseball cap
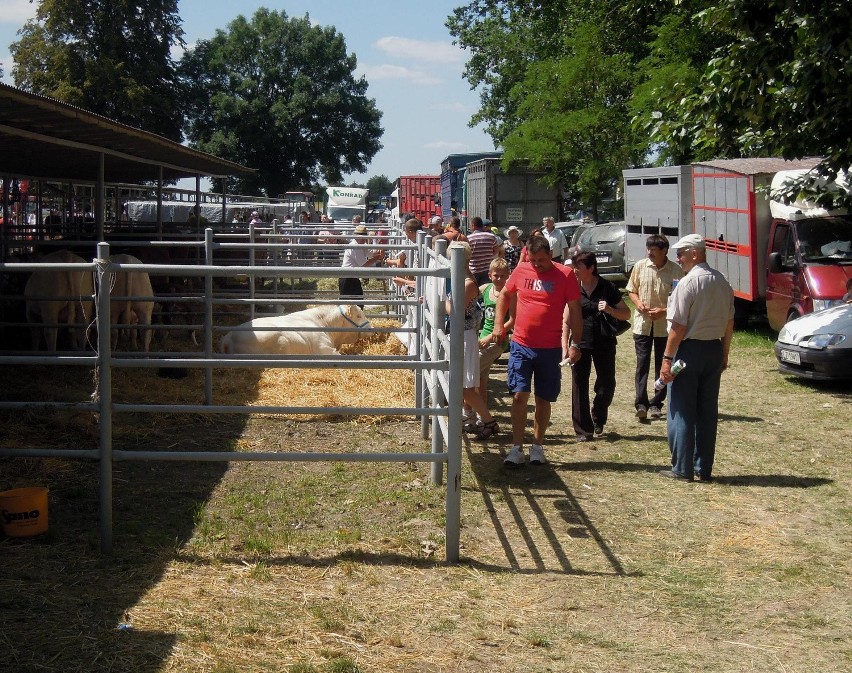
column 690, row 241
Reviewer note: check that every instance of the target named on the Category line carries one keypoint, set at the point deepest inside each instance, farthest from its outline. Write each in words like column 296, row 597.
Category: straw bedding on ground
column 591, row 563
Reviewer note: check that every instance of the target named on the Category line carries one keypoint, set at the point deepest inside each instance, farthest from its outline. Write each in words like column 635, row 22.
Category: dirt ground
column 589, row 563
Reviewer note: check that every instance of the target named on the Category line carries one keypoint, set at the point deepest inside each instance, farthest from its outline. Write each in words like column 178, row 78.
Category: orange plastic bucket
column 23, row 511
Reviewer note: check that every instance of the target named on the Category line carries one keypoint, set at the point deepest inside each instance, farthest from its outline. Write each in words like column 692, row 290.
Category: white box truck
column 344, row 203
column 656, row 201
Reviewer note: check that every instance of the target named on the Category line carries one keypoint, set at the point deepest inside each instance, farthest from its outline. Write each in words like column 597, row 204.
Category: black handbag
column 611, row 326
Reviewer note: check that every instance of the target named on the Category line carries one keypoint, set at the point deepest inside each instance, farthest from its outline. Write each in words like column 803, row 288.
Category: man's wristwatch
column 668, row 357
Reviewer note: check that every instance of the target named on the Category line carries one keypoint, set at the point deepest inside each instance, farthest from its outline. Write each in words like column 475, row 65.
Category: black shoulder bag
column 611, row 326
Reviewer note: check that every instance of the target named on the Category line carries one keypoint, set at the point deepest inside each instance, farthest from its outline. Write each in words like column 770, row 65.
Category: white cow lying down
column 297, row 342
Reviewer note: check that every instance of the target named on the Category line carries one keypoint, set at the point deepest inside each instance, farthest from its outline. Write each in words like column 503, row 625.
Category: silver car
column 817, row 345
column 569, row 228
column 575, row 237
column 606, row 240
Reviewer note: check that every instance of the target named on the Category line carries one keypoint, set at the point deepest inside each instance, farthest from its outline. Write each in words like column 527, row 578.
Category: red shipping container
column 418, row 194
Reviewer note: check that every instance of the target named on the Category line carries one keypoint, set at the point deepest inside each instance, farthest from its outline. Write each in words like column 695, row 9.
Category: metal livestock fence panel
column 436, row 362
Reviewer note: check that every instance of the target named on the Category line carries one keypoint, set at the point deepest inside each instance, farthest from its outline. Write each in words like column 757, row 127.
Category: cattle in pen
column 282, row 334
column 59, row 298
column 131, row 304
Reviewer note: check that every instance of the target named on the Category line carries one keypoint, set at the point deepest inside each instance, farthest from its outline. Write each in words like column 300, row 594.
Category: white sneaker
column 537, row 455
column 515, row 457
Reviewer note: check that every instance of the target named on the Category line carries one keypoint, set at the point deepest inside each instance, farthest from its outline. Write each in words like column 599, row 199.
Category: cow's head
column 353, row 316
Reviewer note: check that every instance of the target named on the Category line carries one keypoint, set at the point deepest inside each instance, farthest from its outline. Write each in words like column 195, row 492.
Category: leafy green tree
column 535, row 64
column 497, row 35
column 679, row 49
column 279, row 94
column 379, row 185
column 113, row 58
column 504, row 38
column 779, row 85
column 575, row 122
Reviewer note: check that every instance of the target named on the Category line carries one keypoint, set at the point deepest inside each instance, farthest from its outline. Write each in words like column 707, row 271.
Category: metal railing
column 436, row 363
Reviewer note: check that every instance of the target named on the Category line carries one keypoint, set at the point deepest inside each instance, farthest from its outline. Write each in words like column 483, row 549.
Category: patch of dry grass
column 591, row 563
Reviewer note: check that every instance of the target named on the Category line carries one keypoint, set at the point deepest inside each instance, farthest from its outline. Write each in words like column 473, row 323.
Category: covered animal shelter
column 45, row 141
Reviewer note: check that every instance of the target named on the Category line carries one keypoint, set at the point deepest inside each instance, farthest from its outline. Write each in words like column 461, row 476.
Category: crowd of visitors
column 554, row 315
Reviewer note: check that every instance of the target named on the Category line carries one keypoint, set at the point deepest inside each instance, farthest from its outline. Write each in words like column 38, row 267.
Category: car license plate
column 602, row 259
column 791, row 357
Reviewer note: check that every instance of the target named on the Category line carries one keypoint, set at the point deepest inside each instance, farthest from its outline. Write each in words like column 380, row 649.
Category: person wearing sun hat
column 701, row 313
column 357, row 256
column 512, row 247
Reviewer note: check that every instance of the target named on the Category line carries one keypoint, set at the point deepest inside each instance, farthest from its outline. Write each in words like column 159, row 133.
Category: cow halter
column 350, row 321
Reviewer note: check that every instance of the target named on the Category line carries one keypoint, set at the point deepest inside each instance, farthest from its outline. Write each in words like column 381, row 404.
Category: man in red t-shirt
column 548, row 326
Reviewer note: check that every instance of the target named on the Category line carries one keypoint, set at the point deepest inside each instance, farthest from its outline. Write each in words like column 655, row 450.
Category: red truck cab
column 809, row 265
column 789, row 258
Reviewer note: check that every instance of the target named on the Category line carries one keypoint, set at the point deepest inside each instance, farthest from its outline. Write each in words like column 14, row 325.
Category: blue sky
column 403, row 49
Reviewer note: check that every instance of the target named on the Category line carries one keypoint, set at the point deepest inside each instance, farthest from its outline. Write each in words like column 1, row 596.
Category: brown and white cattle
column 59, row 297
column 252, row 338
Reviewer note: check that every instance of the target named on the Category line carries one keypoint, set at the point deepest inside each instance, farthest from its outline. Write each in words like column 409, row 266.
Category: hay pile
column 250, row 386
column 343, row 387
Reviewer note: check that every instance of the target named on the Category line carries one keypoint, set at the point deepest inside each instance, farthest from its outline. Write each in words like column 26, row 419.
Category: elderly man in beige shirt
column 701, row 312
column 650, row 285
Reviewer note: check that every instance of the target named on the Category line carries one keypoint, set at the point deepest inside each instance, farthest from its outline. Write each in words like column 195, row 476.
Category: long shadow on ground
column 529, row 508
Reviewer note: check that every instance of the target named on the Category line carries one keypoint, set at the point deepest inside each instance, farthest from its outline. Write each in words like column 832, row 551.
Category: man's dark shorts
column 535, row 364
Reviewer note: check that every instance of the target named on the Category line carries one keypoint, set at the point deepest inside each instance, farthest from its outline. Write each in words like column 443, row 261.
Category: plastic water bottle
column 677, row 367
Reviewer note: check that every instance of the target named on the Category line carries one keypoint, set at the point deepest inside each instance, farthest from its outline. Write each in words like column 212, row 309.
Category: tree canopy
column 279, row 94
column 574, row 120
column 697, row 79
column 379, row 185
column 778, row 84
column 556, row 82
column 113, row 58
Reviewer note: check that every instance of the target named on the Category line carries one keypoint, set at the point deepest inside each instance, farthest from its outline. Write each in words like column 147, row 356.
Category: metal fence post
column 458, row 269
column 251, row 279
column 104, row 320
column 438, row 312
column 424, row 244
column 208, row 316
column 416, row 316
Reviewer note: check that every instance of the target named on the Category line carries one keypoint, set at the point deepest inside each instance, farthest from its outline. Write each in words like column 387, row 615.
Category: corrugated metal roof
column 758, row 165
column 45, row 138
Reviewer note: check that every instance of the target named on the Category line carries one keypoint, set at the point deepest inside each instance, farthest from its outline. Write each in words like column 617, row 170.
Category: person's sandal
column 488, row 430
column 472, row 427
